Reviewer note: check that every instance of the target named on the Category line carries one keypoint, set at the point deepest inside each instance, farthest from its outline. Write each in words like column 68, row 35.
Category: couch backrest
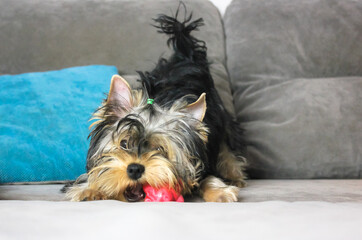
column 295, row 38
column 295, row 68
column 37, row 35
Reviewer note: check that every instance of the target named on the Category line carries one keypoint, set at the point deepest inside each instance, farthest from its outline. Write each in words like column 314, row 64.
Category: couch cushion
column 37, row 36
column 296, row 70
column 256, row 191
column 41, row 220
column 302, row 128
column 44, row 122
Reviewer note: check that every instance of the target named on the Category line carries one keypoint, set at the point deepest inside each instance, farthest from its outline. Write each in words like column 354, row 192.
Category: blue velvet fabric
column 44, row 122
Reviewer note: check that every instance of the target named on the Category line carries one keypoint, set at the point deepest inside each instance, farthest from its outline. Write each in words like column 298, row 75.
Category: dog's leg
column 231, row 167
column 213, row 189
column 82, row 192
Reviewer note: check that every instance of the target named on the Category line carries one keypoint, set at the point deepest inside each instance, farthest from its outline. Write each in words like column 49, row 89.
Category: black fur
column 186, row 72
column 185, row 75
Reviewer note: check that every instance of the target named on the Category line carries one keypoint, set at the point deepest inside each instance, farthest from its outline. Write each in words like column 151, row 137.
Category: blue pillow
column 44, row 122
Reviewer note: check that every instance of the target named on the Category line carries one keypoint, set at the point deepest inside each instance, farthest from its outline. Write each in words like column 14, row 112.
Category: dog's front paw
column 90, row 195
column 214, row 189
column 83, row 192
column 226, row 194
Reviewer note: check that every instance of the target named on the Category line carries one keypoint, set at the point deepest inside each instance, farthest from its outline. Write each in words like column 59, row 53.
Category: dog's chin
column 134, row 193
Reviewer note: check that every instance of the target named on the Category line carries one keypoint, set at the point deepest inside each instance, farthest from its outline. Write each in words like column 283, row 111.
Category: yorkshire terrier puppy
column 174, row 131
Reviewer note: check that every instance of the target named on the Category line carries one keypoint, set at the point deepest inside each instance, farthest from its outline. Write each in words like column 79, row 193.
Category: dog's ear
column 120, row 93
column 198, row 109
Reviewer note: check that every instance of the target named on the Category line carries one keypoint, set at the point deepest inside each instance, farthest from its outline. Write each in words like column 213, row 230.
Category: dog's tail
column 183, row 43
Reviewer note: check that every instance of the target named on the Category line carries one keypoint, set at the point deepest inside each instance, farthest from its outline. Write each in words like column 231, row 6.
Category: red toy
column 164, row 194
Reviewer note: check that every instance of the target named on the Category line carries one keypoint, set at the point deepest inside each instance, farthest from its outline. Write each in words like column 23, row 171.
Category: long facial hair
column 170, row 143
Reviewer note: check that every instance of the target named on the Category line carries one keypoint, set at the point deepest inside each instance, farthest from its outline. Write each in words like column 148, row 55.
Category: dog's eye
column 124, row 144
column 160, row 149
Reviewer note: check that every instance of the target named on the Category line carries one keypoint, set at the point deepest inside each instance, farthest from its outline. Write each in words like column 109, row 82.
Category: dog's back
column 186, row 73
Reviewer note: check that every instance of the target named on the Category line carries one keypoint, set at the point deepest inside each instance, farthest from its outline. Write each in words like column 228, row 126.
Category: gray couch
column 290, row 71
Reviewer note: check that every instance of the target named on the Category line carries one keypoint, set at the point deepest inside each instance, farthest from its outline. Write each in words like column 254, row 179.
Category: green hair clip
column 150, row 101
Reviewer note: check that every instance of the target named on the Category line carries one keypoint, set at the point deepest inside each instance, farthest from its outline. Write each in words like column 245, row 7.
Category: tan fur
column 92, row 195
column 110, row 177
column 231, row 167
column 84, row 193
column 214, row 189
column 138, row 97
column 167, row 162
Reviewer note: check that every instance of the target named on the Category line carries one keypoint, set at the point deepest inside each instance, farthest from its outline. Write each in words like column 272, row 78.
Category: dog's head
column 136, row 141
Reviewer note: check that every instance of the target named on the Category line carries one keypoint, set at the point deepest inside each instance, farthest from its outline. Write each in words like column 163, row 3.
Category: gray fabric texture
column 256, row 191
column 302, row 128
column 294, row 38
column 296, row 68
column 328, row 209
column 39, row 35
column 277, row 220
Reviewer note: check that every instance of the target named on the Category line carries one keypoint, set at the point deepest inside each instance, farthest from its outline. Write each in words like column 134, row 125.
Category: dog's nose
column 135, row 170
